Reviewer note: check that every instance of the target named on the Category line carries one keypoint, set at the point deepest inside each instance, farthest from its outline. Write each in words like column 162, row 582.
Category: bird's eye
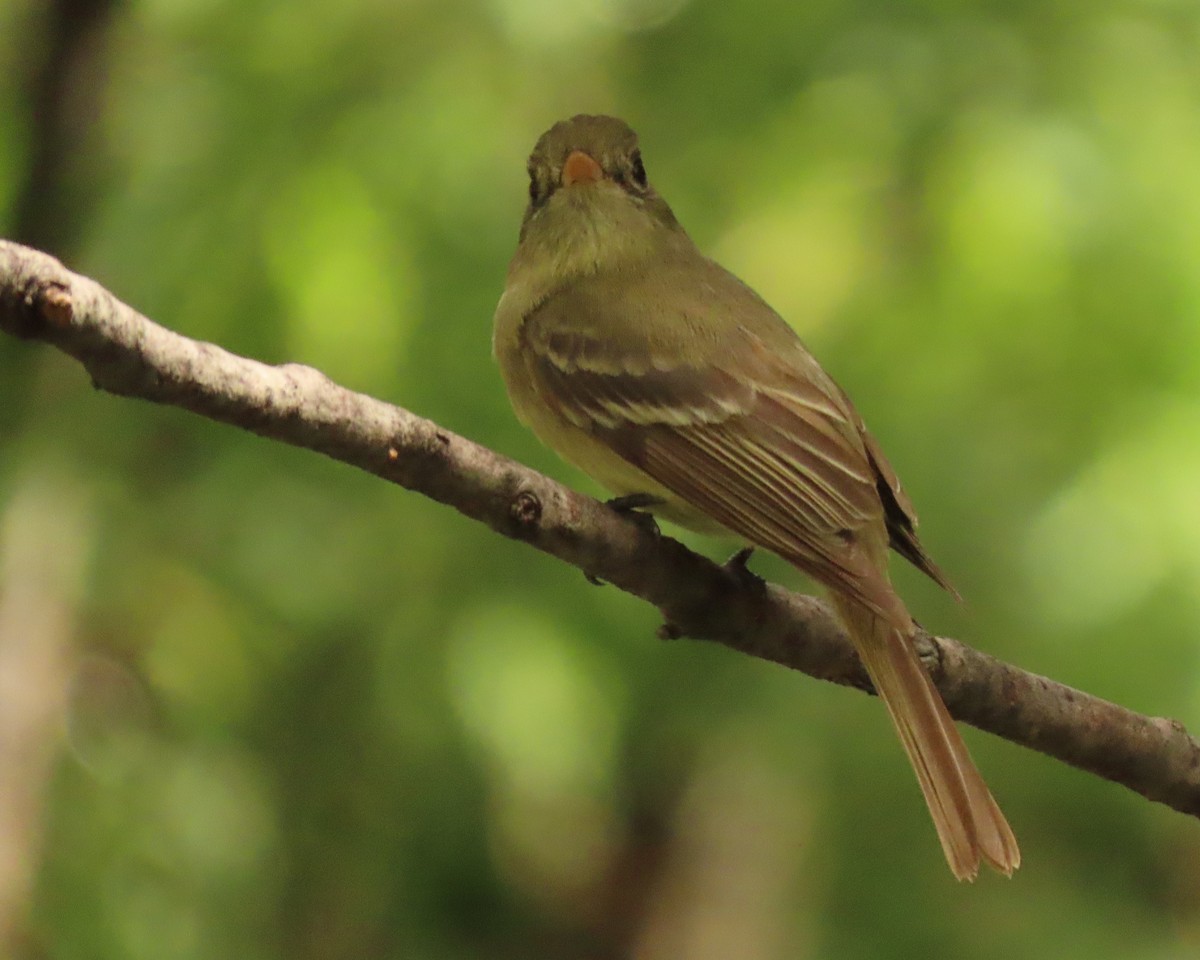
column 638, row 168
column 536, row 197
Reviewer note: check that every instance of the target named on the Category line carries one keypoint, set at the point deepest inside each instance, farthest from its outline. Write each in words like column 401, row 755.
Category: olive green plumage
column 658, row 372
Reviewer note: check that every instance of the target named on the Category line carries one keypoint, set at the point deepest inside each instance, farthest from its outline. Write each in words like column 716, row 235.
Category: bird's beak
column 581, row 168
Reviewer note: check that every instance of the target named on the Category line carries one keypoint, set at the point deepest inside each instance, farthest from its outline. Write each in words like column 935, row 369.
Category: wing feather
column 744, row 427
column 747, row 490
column 778, row 475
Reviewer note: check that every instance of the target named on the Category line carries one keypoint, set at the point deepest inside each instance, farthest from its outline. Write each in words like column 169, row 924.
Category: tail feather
column 968, row 820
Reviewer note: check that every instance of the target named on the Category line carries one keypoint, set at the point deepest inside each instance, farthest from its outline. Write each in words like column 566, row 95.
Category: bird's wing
column 901, row 516
column 742, row 424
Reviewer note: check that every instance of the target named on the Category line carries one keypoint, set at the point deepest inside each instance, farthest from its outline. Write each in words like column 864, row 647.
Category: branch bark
column 128, row 355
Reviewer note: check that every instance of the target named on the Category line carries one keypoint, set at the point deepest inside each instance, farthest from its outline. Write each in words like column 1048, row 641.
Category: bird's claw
column 736, row 566
column 633, row 506
column 669, row 631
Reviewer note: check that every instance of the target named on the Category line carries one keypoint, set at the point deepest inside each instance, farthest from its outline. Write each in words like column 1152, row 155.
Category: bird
column 674, row 385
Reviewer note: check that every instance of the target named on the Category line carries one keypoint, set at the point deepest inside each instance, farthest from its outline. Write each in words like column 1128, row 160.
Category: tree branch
column 128, row 355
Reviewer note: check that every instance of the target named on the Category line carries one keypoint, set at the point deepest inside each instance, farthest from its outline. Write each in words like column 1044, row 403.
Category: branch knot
column 526, row 509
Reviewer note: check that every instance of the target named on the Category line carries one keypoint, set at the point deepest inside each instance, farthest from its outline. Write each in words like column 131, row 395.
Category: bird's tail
column 968, row 821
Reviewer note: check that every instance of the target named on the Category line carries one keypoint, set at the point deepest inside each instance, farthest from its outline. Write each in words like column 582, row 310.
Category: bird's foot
column 742, row 575
column 669, row 631
column 632, row 506
column 745, row 577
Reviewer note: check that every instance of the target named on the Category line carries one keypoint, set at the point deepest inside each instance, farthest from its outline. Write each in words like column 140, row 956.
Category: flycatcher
column 660, row 374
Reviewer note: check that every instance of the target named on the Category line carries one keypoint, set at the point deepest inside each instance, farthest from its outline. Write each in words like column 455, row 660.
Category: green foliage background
column 314, row 716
